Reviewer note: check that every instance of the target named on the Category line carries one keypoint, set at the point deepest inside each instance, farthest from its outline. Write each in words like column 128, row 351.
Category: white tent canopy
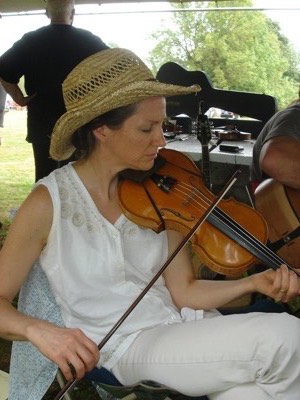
column 7, row 6
column 19, row 6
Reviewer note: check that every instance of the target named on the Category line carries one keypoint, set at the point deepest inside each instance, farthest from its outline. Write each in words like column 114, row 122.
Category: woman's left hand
column 282, row 284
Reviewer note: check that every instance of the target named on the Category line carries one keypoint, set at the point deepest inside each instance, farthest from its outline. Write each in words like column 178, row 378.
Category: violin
column 173, row 196
column 230, row 132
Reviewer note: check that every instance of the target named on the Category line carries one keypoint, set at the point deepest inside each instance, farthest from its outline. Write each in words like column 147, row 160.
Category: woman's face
column 135, row 145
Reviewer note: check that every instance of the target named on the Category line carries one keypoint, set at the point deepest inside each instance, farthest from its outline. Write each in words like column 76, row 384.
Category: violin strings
column 262, row 251
column 223, row 218
column 252, row 240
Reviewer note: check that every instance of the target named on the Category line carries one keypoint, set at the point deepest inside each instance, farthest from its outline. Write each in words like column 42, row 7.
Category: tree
column 238, row 50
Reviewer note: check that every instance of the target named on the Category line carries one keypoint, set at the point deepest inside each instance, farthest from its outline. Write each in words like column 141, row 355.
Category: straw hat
column 102, row 82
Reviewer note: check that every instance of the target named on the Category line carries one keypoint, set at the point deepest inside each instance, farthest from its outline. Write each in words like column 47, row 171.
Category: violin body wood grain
column 280, row 206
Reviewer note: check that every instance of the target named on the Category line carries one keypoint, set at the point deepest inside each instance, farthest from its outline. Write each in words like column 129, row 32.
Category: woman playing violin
column 97, row 261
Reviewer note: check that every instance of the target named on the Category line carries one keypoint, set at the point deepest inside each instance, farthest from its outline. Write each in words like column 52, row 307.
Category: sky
column 132, row 30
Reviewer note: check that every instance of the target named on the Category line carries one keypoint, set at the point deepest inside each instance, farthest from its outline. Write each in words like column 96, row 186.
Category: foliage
column 238, row 50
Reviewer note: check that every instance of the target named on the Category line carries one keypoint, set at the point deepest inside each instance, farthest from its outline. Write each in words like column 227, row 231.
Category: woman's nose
column 160, row 140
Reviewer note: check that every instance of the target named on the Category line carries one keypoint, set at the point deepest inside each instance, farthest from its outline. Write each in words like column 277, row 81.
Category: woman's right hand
column 66, row 347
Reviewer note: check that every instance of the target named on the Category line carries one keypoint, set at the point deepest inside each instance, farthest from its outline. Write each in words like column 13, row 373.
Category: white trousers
column 253, row 356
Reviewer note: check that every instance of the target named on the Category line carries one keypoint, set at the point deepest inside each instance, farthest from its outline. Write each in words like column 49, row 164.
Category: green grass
column 16, row 162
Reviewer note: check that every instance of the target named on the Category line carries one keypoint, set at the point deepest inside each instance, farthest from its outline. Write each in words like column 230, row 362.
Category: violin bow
column 70, row 385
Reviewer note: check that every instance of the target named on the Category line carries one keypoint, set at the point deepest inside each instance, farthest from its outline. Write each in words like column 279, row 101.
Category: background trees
column 238, row 50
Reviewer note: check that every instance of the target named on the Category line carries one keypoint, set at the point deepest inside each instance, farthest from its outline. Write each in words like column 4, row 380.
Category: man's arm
column 279, row 159
column 16, row 93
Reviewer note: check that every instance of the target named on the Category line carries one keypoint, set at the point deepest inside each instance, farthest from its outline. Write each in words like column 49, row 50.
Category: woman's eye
column 146, row 130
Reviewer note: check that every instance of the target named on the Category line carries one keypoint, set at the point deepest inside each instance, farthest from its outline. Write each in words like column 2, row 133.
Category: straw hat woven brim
column 104, row 81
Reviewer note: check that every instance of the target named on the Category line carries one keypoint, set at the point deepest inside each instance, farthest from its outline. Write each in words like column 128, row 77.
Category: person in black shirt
column 45, row 57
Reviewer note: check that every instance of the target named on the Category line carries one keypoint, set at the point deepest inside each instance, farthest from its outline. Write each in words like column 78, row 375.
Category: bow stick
column 70, row 385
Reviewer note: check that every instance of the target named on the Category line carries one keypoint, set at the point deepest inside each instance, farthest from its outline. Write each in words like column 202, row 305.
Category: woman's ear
column 101, row 133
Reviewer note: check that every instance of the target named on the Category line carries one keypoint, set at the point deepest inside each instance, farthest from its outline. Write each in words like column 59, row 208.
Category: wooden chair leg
column 4, row 377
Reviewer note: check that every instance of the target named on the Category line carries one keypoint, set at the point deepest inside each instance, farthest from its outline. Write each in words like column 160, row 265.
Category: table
column 191, row 146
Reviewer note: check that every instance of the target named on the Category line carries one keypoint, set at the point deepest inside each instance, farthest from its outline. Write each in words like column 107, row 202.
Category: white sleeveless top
column 96, row 269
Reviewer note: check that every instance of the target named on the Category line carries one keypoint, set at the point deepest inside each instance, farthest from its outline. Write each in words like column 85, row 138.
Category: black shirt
column 45, row 57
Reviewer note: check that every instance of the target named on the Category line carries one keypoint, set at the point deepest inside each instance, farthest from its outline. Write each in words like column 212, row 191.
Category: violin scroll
column 230, row 132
